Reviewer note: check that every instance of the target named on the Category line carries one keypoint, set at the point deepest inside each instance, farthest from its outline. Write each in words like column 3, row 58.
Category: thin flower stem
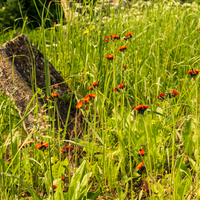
column 197, row 139
column 148, row 148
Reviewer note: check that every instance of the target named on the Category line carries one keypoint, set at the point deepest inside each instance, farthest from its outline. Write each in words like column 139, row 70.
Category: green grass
column 164, row 46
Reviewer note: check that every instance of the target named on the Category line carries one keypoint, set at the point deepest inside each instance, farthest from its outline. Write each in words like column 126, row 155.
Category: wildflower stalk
column 148, row 148
column 197, row 138
column 173, row 181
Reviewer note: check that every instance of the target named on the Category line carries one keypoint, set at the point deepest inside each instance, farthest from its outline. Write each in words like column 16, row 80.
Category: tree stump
column 22, row 71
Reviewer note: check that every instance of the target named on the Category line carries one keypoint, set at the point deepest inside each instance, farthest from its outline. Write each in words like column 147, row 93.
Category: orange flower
column 117, row 37
column 116, row 89
column 128, row 36
column 107, row 36
column 67, row 147
column 122, row 48
column 122, row 85
column 79, row 105
column 95, row 84
column 86, row 99
column 48, row 97
column 105, row 41
column 55, row 86
column 109, row 57
column 139, row 165
column 90, row 87
column 193, row 72
column 141, row 108
column 54, row 95
column 63, row 178
column 174, row 93
column 113, row 36
column 93, row 95
column 141, row 152
column 41, row 145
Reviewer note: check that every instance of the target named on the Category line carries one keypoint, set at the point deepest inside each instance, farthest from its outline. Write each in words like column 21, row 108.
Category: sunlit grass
column 163, row 47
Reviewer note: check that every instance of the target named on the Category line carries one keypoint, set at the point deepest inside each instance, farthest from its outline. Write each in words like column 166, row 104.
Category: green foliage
column 14, row 13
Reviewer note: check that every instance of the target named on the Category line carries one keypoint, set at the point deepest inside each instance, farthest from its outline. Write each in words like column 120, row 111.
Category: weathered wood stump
column 22, row 71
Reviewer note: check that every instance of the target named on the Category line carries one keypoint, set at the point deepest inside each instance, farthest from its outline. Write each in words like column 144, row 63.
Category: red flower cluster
column 113, row 37
column 86, row 100
column 42, row 145
column 122, row 48
column 65, row 149
column 95, row 84
column 193, row 72
column 121, row 86
column 141, row 108
column 128, row 36
column 52, row 96
column 110, row 57
column 172, row 94
column 160, row 96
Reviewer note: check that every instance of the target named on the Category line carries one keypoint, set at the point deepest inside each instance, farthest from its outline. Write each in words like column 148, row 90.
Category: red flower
column 141, row 152
column 62, row 151
column 67, row 147
column 128, row 36
column 90, row 87
column 141, row 108
column 41, row 145
column 95, row 84
column 174, row 93
column 113, row 36
column 193, row 72
column 116, row 89
column 63, row 178
column 160, row 97
column 107, row 36
column 79, row 105
column 139, row 165
column 124, row 66
column 117, row 37
column 109, row 57
column 93, row 95
column 199, row 29
column 48, row 97
column 122, row 48
column 121, row 86
column 105, row 41
column 54, row 186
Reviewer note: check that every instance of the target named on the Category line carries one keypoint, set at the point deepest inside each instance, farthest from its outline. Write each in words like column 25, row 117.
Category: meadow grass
column 163, row 47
